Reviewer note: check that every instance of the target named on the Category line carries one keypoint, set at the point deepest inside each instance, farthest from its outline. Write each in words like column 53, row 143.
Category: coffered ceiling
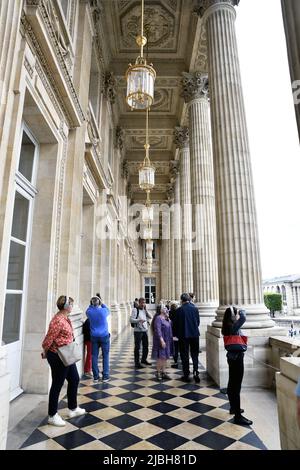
column 174, row 33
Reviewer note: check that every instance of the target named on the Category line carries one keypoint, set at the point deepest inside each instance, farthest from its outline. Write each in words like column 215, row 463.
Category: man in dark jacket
column 187, row 328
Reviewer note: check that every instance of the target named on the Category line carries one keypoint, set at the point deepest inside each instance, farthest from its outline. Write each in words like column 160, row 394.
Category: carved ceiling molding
column 161, row 25
column 200, row 62
column 160, row 142
column 46, row 73
column 163, row 132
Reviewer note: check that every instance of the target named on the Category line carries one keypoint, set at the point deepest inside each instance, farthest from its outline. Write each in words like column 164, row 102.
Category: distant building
column 289, row 287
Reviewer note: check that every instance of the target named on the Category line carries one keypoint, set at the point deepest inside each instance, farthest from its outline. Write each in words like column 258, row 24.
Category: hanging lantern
column 147, row 214
column 147, row 170
column 148, row 233
column 146, row 176
column 149, row 245
column 140, row 76
column 140, row 84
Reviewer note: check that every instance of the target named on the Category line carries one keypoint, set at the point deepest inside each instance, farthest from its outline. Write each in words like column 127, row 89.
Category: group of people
column 175, row 331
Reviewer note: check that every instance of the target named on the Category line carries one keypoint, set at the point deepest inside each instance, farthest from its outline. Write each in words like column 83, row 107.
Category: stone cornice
column 181, row 137
column 194, row 86
column 203, row 5
column 34, row 21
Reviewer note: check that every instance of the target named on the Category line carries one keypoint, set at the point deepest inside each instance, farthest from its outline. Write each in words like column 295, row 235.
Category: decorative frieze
column 110, row 91
column 119, row 138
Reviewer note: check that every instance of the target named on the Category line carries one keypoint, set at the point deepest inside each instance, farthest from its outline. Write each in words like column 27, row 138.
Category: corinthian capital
column 194, row 85
column 203, row 5
column 181, row 137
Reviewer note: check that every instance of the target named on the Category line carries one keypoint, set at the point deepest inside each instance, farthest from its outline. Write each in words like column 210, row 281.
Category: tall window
column 150, row 290
column 19, row 240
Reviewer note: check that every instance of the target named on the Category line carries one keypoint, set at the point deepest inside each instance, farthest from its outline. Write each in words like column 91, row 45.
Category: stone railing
column 283, row 346
column 286, row 381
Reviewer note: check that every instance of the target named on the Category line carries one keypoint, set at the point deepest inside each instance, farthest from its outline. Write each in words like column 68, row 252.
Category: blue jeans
column 104, row 343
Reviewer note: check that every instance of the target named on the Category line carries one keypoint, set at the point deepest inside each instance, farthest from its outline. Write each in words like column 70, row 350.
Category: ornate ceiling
column 176, row 43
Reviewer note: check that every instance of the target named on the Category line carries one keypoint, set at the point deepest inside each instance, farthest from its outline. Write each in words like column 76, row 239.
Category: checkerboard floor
column 135, row 412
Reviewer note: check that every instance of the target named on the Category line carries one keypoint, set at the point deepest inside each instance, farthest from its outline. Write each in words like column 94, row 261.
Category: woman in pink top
column 60, row 333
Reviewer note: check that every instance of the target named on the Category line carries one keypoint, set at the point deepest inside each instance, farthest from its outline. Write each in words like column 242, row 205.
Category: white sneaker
column 56, row 420
column 77, row 412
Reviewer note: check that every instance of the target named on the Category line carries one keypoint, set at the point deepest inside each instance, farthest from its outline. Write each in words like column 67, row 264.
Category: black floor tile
column 194, row 396
column 85, row 420
column 93, row 406
column 124, row 421
column 162, row 396
column 127, row 407
column 199, row 407
column 167, row 440
column 214, row 440
column 130, row 396
column 74, row 439
column 253, row 440
column 165, row 421
column 206, row 422
column 120, row 440
column 36, row 437
column 98, row 395
column 163, row 407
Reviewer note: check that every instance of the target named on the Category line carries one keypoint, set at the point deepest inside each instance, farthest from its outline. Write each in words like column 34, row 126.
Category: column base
column 207, row 313
column 258, row 316
column 258, row 355
column 123, row 315
column 116, row 327
column 4, row 399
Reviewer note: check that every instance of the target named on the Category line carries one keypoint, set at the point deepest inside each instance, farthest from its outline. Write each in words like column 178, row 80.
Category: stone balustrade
column 286, row 381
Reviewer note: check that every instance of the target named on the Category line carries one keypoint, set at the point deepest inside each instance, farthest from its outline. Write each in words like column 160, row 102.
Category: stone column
column 115, row 307
column 238, row 247
column 195, row 93
column 291, row 19
column 171, row 263
column 181, row 140
column 176, row 230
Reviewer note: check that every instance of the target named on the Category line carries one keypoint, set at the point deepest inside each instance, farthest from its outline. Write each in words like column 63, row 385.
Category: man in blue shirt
column 186, row 325
column 100, row 337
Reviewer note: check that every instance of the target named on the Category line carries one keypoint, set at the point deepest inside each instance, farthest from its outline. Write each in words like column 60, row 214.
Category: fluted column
column 176, row 230
column 238, row 247
column 195, row 93
column 171, row 262
column 181, row 140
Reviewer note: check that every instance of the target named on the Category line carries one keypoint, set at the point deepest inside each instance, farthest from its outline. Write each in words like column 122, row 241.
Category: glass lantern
column 147, row 233
column 147, row 214
column 149, row 246
column 146, row 176
column 140, row 85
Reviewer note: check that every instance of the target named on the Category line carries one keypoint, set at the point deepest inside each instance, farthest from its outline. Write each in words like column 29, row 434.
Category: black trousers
column 59, row 374
column 187, row 346
column 176, row 351
column 236, row 373
column 140, row 337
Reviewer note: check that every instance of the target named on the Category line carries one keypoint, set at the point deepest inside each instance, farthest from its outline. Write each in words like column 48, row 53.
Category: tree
column 273, row 302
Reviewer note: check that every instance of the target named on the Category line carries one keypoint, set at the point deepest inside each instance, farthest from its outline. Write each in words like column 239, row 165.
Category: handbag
column 235, row 342
column 69, row 354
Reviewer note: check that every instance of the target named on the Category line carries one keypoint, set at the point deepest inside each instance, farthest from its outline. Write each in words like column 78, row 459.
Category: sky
column 274, row 144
